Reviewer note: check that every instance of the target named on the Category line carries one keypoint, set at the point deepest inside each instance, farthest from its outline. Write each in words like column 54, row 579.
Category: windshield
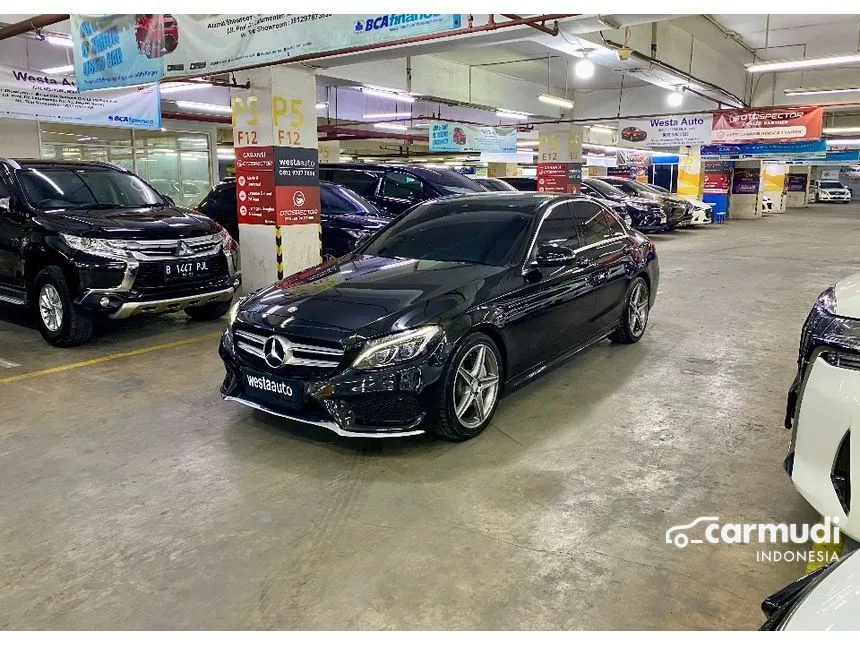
column 655, row 189
column 607, row 189
column 493, row 234
column 831, row 184
column 491, row 183
column 86, row 188
column 337, row 200
column 449, row 182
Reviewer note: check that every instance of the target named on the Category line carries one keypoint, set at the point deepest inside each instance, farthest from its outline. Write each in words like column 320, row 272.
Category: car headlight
column 827, row 300
column 96, row 246
column 233, row 312
column 396, row 348
column 227, row 242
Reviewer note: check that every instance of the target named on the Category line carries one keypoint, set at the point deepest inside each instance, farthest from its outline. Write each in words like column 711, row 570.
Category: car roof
column 530, row 200
column 419, row 171
column 51, row 163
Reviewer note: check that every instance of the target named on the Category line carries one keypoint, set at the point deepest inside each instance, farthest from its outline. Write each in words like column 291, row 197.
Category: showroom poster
column 637, row 163
column 746, row 181
column 448, row 136
column 717, row 176
column 116, row 50
column 797, row 182
column 27, row 94
column 669, row 131
column 768, row 124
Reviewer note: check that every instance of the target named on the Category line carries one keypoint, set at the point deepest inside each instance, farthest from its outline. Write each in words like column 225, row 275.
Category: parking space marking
column 8, row 364
column 110, row 357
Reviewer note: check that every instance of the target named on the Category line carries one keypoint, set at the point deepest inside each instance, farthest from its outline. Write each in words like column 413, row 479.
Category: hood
column 832, row 603
column 848, row 297
column 358, row 220
column 369, row 296
column 136, row 223
column 643, row 202
column 696, row 203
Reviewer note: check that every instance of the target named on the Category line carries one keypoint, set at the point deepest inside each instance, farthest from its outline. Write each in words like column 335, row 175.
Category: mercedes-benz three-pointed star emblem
column 277, row 351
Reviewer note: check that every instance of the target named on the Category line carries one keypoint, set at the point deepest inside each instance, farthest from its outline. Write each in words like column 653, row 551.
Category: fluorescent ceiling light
column 602, row 128
column 555, row 100
column 847, row 130
column 384, row 115
column 390, row 126
column 675, row 98
column 171, row 88
column 226, row 153
column 59, row 70
column 843, row 142
column 804, row 63
column 507, row 114
column 322, row 106
column 204, row 107
column 59, row 41
column 527, row 144
column 388, row 94
column 802, row 91
column 421, row 125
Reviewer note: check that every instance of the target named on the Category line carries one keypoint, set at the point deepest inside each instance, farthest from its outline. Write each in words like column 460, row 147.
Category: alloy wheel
column 476, row 386
column 637, row 311
column 51, row 307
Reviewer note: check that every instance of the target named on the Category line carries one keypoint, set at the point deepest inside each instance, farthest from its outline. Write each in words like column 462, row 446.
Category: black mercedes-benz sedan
column 427, row 323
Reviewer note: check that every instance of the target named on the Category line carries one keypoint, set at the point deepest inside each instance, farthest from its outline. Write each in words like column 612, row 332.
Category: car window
column 227, row 198
column 338, row 200
column 558, row 228
column 399, row 185
column 595, row 222
column 831, row 184
column 363, row 183
column 625, row 188
column 85, row 188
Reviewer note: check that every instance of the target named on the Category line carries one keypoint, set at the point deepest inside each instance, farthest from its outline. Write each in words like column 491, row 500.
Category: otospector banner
column 768, row 124
column 116, row 50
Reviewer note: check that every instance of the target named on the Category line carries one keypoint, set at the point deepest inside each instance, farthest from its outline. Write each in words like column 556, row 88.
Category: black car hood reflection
column 133, row 223
column 369, row 295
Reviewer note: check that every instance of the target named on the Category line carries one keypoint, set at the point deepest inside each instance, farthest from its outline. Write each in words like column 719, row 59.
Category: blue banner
column 813, row 149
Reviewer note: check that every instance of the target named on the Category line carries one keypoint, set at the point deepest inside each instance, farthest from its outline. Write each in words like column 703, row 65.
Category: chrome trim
column 14, row 164
column 125, row 286
column 250, row 336
column 260, row 341
column 328, row 425
column 172, row 304
column 12, row 300
column 256, row 351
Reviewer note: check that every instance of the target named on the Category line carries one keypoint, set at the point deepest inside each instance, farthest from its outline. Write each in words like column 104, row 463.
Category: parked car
column 346, row 218
column 830, row 191
column 823, row 601
column 522, row 183
column 645, row 214
column 494, row 184
column 678, row 212
column 393, row 188
column 766, row 204
column 703, row 213
column 433, row 318
column 824, row 404
column 85, row 240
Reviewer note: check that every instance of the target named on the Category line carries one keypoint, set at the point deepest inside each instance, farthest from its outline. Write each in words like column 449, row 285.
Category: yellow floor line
column 110, row 357
column 828, row 549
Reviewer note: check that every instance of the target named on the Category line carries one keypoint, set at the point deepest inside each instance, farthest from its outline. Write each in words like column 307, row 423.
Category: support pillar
column 773, row 184
column 496, row 169
column 798, row 187
column 277, row 177
column 560, row 158
column 745, row 200
column 690, row 175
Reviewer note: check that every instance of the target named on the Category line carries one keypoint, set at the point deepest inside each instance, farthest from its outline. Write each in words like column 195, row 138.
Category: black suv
column 395, row 187
column 83, row 240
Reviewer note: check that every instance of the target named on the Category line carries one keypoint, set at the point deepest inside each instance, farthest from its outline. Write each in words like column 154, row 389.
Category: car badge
column 277, row 351
column 292, row 310
column 182, row 248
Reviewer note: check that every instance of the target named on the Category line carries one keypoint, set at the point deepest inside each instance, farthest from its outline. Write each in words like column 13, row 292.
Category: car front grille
column 192, row 247
column 385, row 409
column 308, row 358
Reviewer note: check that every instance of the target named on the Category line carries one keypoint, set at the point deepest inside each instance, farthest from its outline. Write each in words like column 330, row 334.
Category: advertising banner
column 667, row 132
column 27, row 94
column 797, row 182
column 462, row 137
column 690, row 172
column 773, row 178
column 811, row 149
column 769, row 124
column 552, row 177
column 255, row 185
column 746, row 181
column 717, row 176
column 115, row 50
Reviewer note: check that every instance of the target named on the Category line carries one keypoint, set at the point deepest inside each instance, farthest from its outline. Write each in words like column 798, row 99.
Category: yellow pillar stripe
column 109, row 357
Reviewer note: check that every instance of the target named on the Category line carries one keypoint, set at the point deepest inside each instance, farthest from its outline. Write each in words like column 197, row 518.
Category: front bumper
column 391, row 402
column 842, row 199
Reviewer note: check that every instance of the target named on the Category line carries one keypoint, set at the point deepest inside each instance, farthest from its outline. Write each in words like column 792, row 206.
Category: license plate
column 186, row 270
column 273, row 389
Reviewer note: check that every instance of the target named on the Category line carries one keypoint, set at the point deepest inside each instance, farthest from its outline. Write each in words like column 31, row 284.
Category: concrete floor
column 131, row 496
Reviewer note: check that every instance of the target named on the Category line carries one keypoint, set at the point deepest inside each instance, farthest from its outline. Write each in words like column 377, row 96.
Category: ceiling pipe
column 32, row 24
column 535, row 24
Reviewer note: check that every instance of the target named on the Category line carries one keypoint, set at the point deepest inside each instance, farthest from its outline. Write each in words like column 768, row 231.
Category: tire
column 453, row 387
column 632, row 325
column 70, row 325
column 209, row 311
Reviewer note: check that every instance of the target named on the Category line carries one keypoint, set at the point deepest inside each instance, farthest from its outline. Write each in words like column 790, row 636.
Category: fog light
column 104, row 301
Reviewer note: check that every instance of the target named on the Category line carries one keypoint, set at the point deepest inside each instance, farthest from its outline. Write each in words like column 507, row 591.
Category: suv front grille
column 168, row 249
column 307, row 358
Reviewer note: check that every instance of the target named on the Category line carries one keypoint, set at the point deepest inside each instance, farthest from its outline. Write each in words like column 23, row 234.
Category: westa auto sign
column 770, row 124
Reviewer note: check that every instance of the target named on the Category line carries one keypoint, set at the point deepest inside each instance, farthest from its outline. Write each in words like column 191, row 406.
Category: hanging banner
column 462, row 137
column 27, row 94
column 770, row 124
column 667, row 132
column 810, row 149
column 115, row 50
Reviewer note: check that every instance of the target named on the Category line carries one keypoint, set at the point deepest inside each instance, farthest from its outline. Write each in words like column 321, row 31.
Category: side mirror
column 553, row 255
column 5, row 204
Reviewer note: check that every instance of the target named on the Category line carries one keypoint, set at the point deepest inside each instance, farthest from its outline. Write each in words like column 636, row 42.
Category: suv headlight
column 827, row 300
column 227, row 242
column 396, row 348
column 96, row 246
